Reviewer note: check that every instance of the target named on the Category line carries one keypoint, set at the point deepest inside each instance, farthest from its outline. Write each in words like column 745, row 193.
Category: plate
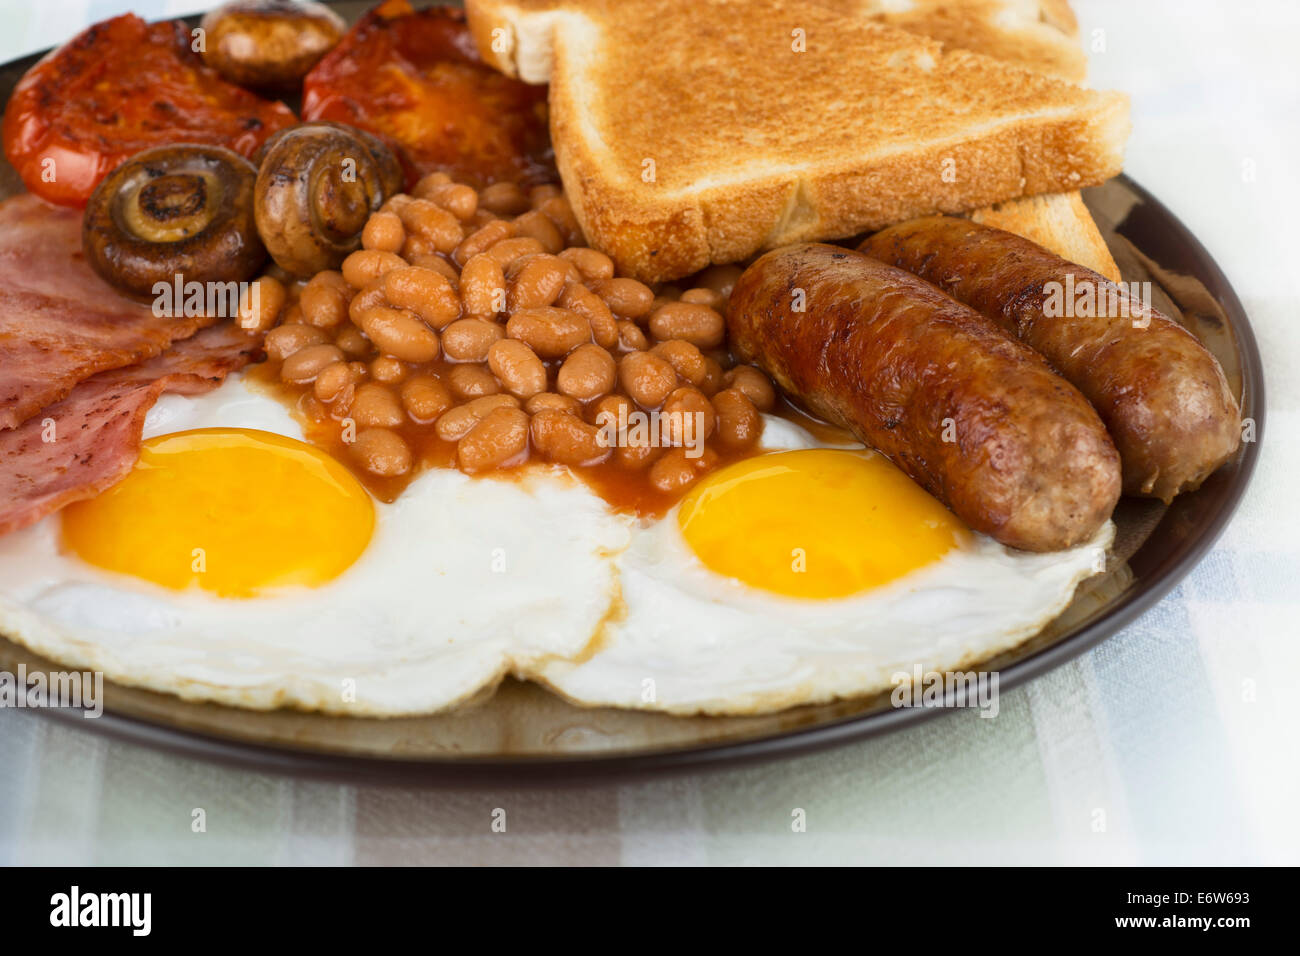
column 524, row 731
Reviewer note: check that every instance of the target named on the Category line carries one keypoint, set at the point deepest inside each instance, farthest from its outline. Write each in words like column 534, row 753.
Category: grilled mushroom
column 317, row 186
column 269, row 44
column 173, row 211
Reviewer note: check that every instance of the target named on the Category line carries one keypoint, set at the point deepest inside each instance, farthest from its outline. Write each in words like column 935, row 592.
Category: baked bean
column 324, row 300
column 400, row 334
column 261, row 303
column 538, row 283
column 721, row 279
column 431, row 222
column 593, row 264
column 309, row 406
column 587, row 373
column 631, row 338
column 375, row 405
column 739, row 424
column 535, row 225
column 333, row 380
column 626, row 298
column 612, row 412
column 440, row 265
column 366, row 265
column 756, row 386
column 282, row 341
column 468, row 340
column 351, row 341
column 433, row 179
column 500, row 438
column 383, row 231
column 292, row 315
column 549, row 400
column 700, row 296
column 425, row 292
column 697, row 324
column 395, row 202
column 638, row 455
column 382, row 452
column 417, row 247
column 459, row 200
column 504, row 198
column 456, row 423
column 482, row 239
column 675, row 471
column 550, row 332
column 510, row 251
column 303, row 365
column 518, row 367
column 425, row 398
column 483, row 286
column 365, row 300
column 481, row 406
column 685, row 358
column 712, row 377
column 540, row 194
column 604, row 328
column 646, row 378
column 567, row 439
column 558, row 210
column 688, row 417
column 665, row 296
column 472, row 381
column 388, row 370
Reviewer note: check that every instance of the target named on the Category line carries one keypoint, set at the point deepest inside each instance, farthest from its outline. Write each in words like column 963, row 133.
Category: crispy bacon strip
column 78, row 447
column 60, row 323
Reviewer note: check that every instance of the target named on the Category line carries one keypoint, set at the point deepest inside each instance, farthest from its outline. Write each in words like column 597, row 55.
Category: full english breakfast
column 710, row 367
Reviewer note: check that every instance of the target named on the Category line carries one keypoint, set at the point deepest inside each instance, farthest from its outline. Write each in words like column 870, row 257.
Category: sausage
column 975, row 417
column 1161, row 394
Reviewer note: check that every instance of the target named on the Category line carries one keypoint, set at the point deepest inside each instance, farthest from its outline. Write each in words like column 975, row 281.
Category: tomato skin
column 117, row 88
column 416, row 80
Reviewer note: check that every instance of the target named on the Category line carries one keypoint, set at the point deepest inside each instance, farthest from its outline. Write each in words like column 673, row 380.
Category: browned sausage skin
column 1161, row 394
column 974, row 416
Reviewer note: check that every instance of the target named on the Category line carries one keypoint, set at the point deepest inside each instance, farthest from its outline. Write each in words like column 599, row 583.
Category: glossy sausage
column 977, row 418
column 1161, row 394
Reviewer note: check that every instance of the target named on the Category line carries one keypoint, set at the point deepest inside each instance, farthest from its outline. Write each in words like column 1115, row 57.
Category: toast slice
column 1039, row 35
column 844, row 125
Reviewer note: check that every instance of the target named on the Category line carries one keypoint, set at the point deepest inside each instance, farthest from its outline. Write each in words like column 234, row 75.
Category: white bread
column 867, row 126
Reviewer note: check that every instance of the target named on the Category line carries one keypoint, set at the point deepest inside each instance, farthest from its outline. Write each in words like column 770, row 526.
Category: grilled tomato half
column 120, row 87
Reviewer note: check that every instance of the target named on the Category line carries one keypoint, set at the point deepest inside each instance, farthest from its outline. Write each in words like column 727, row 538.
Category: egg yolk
column 234, row 511
column 817, row 523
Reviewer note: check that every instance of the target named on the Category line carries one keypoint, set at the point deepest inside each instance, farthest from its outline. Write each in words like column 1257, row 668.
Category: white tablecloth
column 1178, row 735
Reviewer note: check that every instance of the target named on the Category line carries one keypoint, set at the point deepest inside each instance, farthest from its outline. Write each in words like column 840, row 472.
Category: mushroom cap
column 183, row 210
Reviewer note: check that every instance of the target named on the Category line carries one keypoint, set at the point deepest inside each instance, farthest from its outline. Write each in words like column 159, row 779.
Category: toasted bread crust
column 1056, row 221
column 904, row 127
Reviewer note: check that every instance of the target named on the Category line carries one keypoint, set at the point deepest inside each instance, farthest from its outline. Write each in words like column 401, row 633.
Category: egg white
column 464, row 580
column 468, row 579
column 691, row 641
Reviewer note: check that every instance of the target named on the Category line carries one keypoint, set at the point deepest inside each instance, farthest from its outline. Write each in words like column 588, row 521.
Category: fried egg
column 808, row 575
column 237, row 564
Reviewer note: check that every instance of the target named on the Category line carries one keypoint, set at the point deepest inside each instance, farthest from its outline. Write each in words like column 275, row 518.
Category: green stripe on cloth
column 148, row 804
